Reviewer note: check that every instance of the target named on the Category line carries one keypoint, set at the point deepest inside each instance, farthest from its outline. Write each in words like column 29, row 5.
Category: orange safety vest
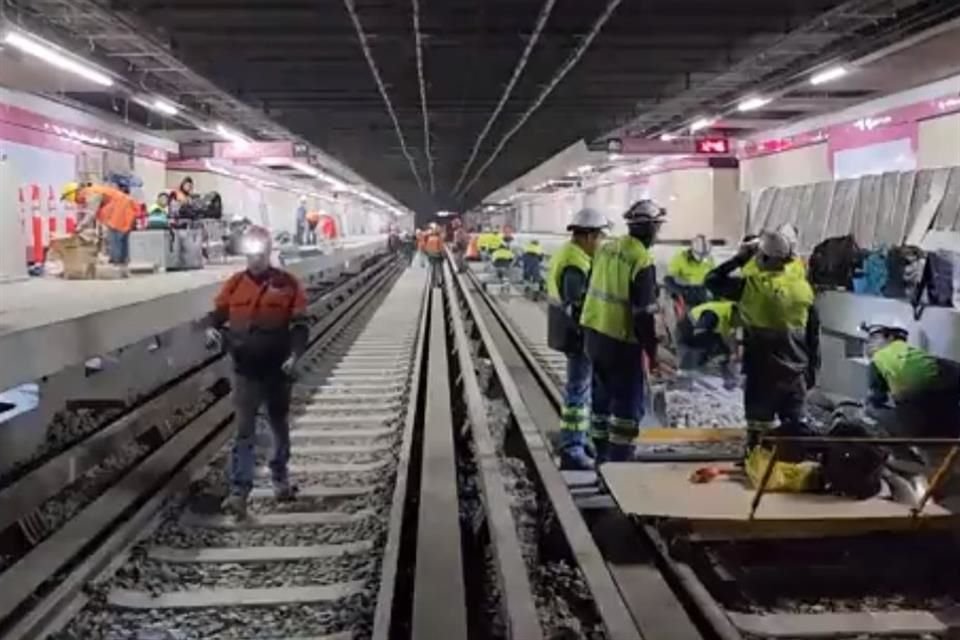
column 117, row 211
column 433, row 245
column 473, row 251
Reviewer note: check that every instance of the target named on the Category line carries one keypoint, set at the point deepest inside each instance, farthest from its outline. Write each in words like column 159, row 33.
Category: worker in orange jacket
column 112, row 208
column 433, row 248
column 264, row 310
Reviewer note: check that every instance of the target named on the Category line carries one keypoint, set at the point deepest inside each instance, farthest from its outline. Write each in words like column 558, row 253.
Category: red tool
column 707, row 474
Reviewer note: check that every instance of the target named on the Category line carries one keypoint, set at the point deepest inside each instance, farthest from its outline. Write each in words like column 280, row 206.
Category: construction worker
column 113, row 209
column 618, row 322
column 924, row 391
column 460, row 242
column 687, row 270
column 502, row 259
column 433, row 248
column 567, row 278
column 158, row 215
column 532, row 261
column 264, row 311
column 796, row 265
column 707, row 332
column 780, row 333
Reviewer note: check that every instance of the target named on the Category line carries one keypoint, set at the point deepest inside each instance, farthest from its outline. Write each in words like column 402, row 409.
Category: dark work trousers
column 249, row 394
column 617, row 388
column 768, row 398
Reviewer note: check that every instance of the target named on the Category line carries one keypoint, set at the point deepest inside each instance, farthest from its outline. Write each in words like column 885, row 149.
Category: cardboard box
column 73, row 257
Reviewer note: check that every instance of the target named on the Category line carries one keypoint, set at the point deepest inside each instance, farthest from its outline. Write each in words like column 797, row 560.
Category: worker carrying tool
column 706, row 333
column 619, row 331
column 264, row 311
column 567, row 278
column 532, row 261
column 687, row 271
column 925, row 391
column 780, row 333
column 113, row 209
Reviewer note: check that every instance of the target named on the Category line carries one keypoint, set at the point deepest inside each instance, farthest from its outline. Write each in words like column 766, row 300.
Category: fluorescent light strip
column 231, row 135
column 828, row 75
column 667, row 137
column 53, row 57
column 164, row 107
column 702, row 123
column 752, row 104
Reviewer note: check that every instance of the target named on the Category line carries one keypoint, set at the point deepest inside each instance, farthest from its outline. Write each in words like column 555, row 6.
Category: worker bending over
column 687, row 271
column 925, row 391
column 618, row 322
column 113, row 209
column 706, row 333
column 264, row 310
column 532, row 261
column 780, row 333
column 567, row 279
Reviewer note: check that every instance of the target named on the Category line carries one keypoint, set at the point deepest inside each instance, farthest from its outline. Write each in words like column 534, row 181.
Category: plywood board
column 664, row 490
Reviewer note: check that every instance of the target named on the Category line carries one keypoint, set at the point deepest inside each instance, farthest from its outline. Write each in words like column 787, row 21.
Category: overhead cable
column 517, row 72
column 547, row 90
column 362, row 37
column 423, row 94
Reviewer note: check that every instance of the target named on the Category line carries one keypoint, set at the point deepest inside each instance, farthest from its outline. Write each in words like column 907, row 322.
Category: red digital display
column 712, row 145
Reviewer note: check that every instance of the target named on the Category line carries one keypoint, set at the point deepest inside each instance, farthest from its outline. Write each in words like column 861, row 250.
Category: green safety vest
column 533, row 249
column 687, row 270
column 905, row 368
column 607, row 306
column 724, row 311
column 502, row 254
column 569, row 255
column 794, row 267
column 778, row 300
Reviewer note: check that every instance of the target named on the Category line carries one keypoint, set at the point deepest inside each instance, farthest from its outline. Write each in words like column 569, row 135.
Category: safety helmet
column 69, row 191
column 645, row 211
column 789, row 232
column 887, row 324
column 256, row 241
column 588, row 220
column 774, row 244
column 700, row 247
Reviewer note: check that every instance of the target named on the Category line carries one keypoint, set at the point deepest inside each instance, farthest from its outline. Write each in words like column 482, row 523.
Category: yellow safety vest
column 502, row 254
column 724, row 310
column 569, row 255
column 795, row 267
column 905, row 368
column 778, row 300
column 533, row 249
column 687, row 270
column 607, row 306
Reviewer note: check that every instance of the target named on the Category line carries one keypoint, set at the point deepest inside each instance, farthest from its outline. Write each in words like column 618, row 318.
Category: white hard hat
column 588, row 219
column 789, row 232
column 700, row 246
column 890, row 324
column 774, row 245
column 645, row 211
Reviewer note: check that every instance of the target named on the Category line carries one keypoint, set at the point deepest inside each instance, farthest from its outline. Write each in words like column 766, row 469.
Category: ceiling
column 652, row 64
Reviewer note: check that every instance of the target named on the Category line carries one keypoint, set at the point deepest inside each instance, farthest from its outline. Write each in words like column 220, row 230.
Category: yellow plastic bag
column 786, row 477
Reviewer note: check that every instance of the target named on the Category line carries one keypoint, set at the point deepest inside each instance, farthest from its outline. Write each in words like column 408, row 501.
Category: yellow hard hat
column 69, row 191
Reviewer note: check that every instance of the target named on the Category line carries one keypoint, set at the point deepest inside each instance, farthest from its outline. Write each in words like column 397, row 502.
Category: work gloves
column 288, row 365
column 214, row 339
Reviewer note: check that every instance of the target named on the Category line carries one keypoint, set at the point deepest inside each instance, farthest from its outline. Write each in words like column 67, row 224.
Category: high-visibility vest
column 688, row 270
column 795, row 267
column 118, row 211
column 473, row 247
column 569, row 255
column 905, row 368
column 607, row 309
column 502, row 254
column 433, row 245
column 533, row 249
column 723, row 309
column 778, row 300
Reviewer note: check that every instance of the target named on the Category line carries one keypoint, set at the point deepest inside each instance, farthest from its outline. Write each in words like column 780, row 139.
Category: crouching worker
column 264, row 312
column 707, row 333
column 567, row 279
column 925, row 391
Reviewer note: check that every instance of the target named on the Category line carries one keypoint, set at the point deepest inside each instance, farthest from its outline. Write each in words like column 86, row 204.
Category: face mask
column 645, row 232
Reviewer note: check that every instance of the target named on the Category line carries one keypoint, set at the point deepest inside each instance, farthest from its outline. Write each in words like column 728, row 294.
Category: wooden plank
column 202, row 598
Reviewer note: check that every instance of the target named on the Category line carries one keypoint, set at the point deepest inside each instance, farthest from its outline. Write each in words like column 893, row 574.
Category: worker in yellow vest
column 780, row 333
column 567, row 279
column 619, row 331
column 708, row 333
column 924, row 391
column 687, row 271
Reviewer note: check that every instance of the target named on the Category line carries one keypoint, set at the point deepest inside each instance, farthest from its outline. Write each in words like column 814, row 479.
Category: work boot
column 601, row 451
column 285, row 492
column 573, row 456
column 620, row 452
column 235, row 505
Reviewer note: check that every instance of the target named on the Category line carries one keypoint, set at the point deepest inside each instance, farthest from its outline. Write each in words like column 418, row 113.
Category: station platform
column 47, row 324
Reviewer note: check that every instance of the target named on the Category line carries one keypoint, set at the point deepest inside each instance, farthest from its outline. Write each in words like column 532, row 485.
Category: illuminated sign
column 712, row 145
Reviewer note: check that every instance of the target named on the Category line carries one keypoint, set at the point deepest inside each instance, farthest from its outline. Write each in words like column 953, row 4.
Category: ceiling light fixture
column 702, row 123
column 51, row 56
column 165, row 107
column 752, row 104
column 231, row 135
column 667, row 137
column 828, row 75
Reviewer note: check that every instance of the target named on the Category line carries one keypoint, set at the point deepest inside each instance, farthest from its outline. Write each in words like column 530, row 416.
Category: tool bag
column 208, row 206
column 904, row 271
column 937, row 281
column 834, row 261
column 852, row 470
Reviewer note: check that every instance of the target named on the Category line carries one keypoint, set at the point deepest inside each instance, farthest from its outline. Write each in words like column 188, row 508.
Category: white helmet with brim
column 588, row 220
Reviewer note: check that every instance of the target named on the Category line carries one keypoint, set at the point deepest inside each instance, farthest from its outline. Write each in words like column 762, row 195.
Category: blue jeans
column 249, row 394
column 618, row 384
column 577, row 393
column 118, row 246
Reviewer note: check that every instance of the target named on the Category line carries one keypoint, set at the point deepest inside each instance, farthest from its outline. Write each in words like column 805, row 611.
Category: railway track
column 892, row 585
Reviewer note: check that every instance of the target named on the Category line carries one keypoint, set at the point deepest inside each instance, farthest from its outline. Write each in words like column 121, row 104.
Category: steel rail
column 102, row 518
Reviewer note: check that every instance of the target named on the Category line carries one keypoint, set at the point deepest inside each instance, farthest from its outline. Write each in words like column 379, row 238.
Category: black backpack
column 902, row 266
column 208, row 206
column 851, row 470
column 834, row 261
column 938, row 279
